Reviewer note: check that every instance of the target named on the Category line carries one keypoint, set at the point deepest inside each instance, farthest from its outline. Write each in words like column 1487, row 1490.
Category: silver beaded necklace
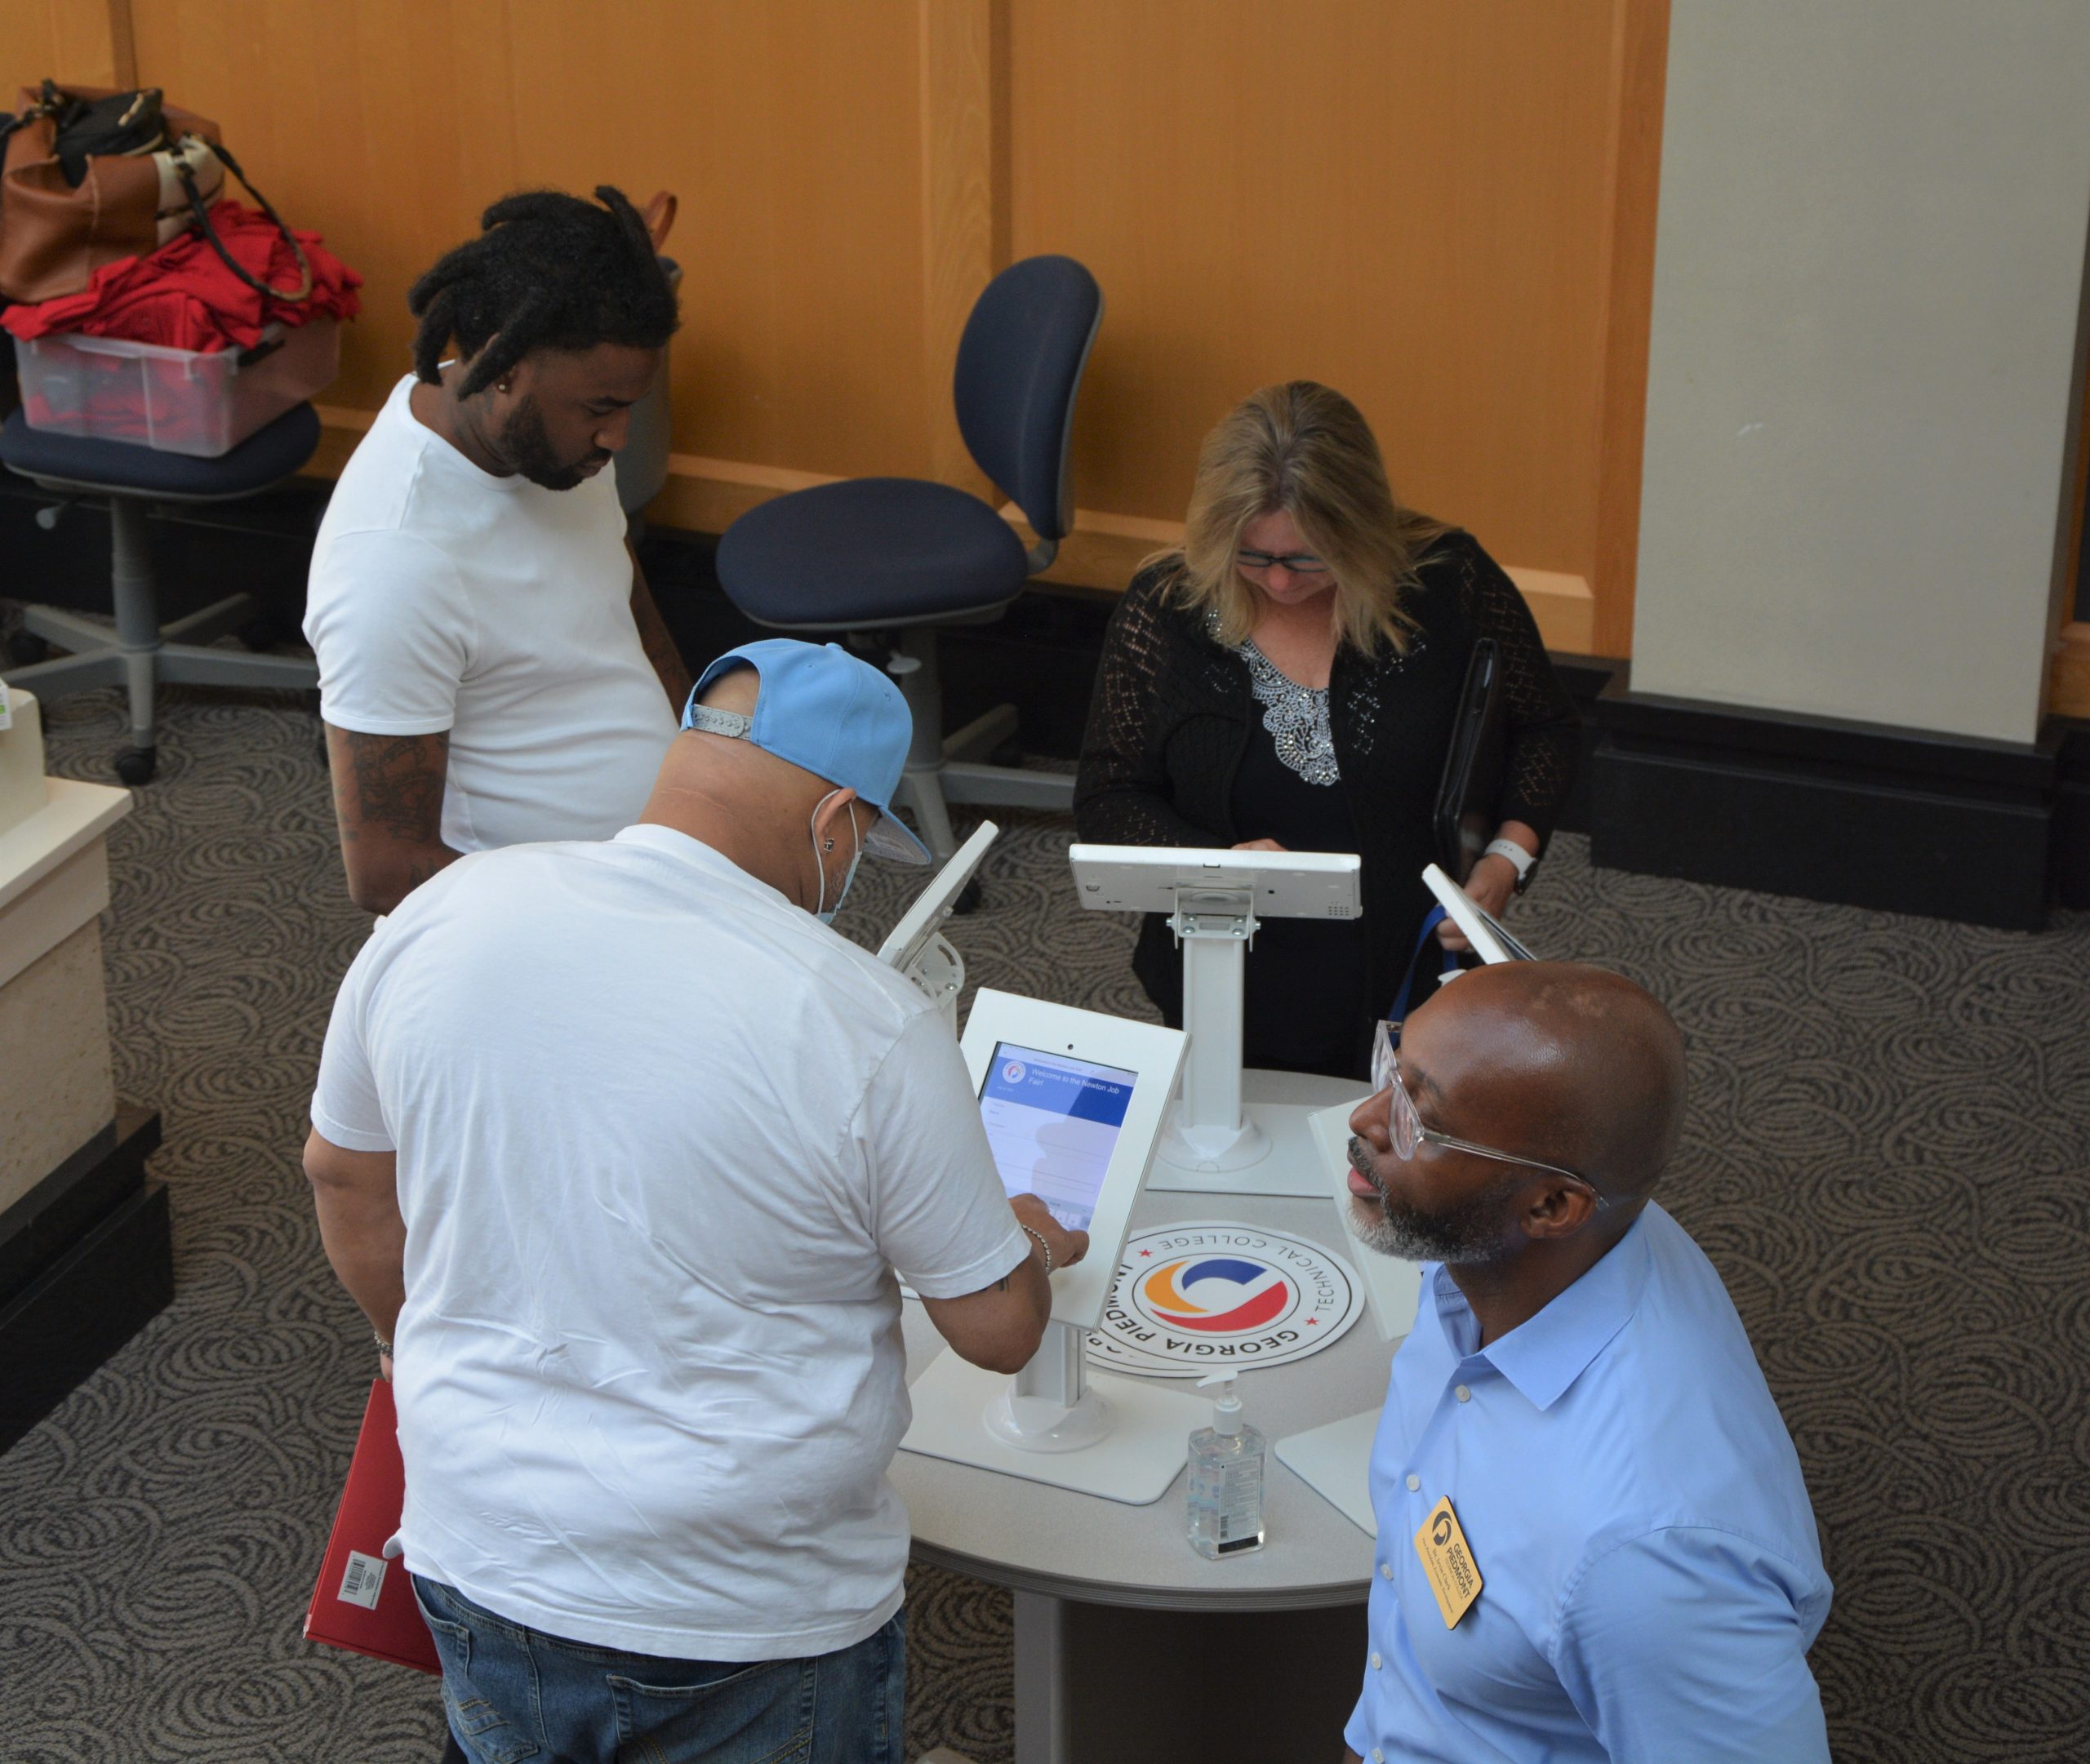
column 1297, row 716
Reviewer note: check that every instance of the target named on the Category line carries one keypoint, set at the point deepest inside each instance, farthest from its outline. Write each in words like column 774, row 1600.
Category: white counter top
column 73, row 816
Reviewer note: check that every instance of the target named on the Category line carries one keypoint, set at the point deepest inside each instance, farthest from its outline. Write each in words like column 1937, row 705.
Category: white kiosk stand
column 1216, row 1145
column 917, row 946
column 1072, row 1102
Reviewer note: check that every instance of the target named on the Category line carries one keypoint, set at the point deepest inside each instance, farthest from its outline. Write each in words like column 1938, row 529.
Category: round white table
column 1128, row 1643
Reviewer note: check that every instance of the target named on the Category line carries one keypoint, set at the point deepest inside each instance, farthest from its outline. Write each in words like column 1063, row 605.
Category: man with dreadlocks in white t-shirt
column 492, row 667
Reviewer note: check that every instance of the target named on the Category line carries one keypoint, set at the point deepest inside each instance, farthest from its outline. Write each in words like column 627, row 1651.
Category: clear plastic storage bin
column 176, row 400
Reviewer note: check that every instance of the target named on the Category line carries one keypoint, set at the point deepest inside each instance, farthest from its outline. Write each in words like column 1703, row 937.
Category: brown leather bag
column 55, row 231
column 54, row 236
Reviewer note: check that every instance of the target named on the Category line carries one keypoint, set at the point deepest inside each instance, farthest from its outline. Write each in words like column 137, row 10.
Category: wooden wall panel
column 62, row 39
column 1444, row 211
column 788, row 130
column 352, row 118
column 959, row 100
column 1632, row 174
column 1404, row 199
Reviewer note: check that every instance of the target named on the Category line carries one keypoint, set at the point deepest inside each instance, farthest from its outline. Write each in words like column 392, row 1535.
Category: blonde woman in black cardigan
column 1287, row 681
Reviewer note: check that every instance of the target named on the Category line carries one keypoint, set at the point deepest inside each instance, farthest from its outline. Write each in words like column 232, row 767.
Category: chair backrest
column 1018, row 368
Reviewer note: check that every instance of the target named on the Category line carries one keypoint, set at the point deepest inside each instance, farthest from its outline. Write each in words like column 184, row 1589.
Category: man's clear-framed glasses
column 1298, row 563
column 1406, row 1130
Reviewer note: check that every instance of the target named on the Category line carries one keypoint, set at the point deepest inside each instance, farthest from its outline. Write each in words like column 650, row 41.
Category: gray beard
column 1459, row 1236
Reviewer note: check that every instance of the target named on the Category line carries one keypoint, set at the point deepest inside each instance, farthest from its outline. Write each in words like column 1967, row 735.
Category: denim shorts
column 513, row 1694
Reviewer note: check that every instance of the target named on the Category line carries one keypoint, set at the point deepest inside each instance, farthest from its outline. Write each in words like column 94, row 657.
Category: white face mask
column 823, row 912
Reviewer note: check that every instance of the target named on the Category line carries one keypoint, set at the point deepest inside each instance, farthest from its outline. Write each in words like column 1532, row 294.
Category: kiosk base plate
column 1335, row 1461
column 1292, row 1166
column 1135, row 1462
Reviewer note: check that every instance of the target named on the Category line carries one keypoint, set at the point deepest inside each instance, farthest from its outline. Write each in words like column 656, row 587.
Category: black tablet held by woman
column 1474, row 766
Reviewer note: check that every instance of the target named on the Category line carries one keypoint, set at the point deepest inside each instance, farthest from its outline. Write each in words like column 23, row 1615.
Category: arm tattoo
column 387, row 799
column 390, row 786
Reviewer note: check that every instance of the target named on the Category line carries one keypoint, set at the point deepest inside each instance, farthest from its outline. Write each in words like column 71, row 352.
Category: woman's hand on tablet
column 1493, row 881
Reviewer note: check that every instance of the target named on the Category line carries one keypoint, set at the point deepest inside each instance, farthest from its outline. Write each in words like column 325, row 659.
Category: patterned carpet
column 1886, row 1157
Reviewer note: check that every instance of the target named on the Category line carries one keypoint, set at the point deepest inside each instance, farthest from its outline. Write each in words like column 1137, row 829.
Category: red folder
column 363, row 1602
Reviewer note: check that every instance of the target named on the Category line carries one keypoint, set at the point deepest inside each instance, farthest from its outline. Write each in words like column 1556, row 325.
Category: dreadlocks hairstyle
column 548, row 271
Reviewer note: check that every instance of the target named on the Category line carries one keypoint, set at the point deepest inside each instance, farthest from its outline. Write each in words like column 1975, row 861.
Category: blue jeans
column 513, row 1694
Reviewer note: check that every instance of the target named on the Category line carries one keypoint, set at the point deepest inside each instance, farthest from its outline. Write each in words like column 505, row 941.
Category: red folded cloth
column 183, row 296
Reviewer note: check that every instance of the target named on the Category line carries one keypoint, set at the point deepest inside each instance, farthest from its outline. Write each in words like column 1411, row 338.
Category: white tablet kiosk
column 917, row 946
column 1285, row 885
column 1215, row 900
column 1073, row 1103
column 1490, row 941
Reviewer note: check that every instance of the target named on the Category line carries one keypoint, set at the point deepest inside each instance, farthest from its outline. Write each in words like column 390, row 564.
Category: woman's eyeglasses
column 1406, row 1130
column 1299, row 562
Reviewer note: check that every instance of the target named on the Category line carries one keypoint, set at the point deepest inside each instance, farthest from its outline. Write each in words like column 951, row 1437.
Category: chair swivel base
column 952, row 769
column 180, row 653
column 139, row 652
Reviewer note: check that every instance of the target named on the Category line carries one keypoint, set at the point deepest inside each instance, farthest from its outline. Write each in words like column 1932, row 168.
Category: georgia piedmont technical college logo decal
column 1196, row 1297
column 1242, row 1294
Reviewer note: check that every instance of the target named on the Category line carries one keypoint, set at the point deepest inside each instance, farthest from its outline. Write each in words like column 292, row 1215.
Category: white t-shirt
column 442, row 597
column 662, row 1138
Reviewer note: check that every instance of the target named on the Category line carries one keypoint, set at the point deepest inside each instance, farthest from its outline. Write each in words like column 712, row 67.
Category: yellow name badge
column 1454, row 1576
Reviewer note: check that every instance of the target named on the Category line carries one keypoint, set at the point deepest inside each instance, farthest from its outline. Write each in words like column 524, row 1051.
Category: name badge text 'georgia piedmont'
column 1454, row 1576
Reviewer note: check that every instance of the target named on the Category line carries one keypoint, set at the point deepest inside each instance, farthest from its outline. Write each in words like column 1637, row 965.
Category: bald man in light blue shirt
column 1579, row 1386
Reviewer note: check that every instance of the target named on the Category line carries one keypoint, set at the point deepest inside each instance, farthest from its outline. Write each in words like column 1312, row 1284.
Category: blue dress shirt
column 1650, row 1576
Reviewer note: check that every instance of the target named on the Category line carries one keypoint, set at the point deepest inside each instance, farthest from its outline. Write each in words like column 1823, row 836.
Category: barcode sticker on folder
column 363, row 1581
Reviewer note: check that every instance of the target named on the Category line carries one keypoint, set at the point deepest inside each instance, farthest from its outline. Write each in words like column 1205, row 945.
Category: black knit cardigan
column 1172, row 715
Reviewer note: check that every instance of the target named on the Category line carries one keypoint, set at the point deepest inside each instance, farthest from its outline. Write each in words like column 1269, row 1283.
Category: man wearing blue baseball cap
column 833, row 718
column 621, row 1146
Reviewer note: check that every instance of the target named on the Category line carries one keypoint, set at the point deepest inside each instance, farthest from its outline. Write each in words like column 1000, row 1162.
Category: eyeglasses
column 1407, row 1131
column 1299, row 562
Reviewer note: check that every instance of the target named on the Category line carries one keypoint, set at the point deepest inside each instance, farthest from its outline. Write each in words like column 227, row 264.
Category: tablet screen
column 1052, row 1121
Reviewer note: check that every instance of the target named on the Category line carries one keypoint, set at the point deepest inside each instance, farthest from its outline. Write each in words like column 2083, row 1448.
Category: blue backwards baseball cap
column 823, row 709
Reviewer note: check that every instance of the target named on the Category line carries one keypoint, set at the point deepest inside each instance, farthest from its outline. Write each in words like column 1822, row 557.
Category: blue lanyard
column 1399, row 1012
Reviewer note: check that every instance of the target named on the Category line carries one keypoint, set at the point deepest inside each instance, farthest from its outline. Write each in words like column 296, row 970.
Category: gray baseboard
column 1901, row 821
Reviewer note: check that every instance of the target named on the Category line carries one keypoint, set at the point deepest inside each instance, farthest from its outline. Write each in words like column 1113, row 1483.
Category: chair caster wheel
column 27, row 649
column 263, row 633
column 968, row 898
column 136, row 764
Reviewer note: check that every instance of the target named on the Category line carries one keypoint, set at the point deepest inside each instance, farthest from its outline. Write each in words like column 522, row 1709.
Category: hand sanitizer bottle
column 1226, row 1477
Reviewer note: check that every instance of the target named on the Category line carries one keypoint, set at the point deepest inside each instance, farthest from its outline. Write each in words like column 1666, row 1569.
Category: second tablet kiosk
column 1073, row 1103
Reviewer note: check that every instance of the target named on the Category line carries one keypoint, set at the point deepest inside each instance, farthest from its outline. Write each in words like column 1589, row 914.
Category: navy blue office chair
column 140, row 652
column 902, row 556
